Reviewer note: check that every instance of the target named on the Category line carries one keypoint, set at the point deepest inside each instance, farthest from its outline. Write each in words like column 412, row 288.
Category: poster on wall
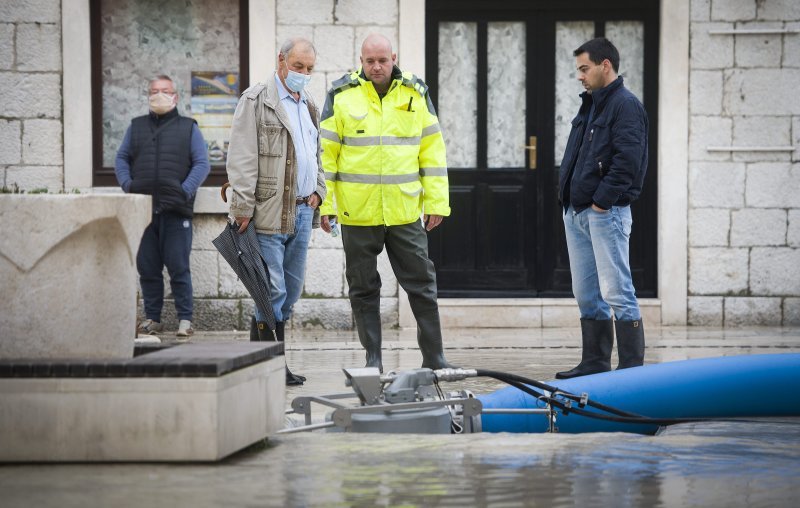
column 214, row 98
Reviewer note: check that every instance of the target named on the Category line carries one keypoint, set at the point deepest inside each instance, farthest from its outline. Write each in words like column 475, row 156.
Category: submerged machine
column 639, row 400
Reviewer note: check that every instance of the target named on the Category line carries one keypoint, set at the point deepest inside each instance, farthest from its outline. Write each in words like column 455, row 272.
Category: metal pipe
column 500, row 410
column 304, row 428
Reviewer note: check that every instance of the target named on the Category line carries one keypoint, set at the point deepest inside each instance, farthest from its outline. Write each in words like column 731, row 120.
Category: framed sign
column 214, row 98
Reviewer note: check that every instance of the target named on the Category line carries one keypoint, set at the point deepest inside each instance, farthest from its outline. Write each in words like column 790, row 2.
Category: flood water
column 745, row 463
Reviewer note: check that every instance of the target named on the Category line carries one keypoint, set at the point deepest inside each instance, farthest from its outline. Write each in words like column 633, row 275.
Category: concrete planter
column 68, row 274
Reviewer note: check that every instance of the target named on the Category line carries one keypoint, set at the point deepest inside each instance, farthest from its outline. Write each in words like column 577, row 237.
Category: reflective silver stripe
column 330, row 175
column 380, row 140
column 432, row 171
column 395, row 140
column 325, row 133
column 377, row 179
column 365, row 141
column 431, row 129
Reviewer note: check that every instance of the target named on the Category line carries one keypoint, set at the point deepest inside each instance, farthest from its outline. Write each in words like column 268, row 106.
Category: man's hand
column 431, row 221
column 242, row 222
column 313, row 200
column 598, row 209
column 325, row 222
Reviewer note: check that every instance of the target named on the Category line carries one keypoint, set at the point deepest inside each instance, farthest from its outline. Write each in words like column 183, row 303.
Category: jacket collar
column 598, row 97
column 397, row 77
column 272, row 99
column 272, row 96
column 172, row 113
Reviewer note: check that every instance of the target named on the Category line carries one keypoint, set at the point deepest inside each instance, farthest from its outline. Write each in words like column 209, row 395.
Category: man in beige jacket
column 277, row 178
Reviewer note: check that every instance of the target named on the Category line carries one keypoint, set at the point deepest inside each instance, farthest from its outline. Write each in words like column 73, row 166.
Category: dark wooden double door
column 502, row 77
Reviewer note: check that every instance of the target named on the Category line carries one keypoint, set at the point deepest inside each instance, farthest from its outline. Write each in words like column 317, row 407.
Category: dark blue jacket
column 605, row 162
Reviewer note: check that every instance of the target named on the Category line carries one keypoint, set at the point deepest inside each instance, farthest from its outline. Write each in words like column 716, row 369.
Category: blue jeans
column 599, row 262
column 167, row 241
column 286, row 260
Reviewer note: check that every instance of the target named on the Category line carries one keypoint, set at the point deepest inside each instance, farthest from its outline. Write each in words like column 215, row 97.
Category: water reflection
column 717, row 464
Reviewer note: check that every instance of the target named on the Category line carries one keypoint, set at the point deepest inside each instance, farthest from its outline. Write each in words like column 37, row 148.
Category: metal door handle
column 532, row 155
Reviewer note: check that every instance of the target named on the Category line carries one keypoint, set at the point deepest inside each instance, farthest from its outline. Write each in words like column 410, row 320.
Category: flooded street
column 743, row 463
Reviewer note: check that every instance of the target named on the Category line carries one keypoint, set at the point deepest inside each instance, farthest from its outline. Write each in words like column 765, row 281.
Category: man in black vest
column 164, row 155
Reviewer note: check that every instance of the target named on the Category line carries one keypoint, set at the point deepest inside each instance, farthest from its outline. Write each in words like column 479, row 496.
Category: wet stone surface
column 741, row 463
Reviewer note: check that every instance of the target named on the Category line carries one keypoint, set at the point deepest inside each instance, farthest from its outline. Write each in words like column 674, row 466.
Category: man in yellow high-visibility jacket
column 384, row 161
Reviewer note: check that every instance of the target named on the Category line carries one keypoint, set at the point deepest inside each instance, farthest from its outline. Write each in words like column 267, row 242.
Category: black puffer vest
column 161, row 159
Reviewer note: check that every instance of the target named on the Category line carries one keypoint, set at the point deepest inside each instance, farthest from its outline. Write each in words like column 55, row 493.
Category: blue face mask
column 296, row 81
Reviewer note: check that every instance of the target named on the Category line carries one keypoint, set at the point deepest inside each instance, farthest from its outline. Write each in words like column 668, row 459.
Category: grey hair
column 289, row 44
column 160, row 77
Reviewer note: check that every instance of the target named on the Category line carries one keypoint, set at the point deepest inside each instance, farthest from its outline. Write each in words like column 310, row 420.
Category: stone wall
column 31, row 152
column 744, row 206
column 337, row 29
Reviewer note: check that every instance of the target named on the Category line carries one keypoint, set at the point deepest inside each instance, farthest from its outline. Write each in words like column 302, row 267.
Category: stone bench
column 184, row 360
column 188, row 402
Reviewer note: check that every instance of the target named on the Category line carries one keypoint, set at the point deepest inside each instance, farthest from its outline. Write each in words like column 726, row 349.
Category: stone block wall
column 31, row 151
column 337, row 28
column 31, row 148
column 744, row 206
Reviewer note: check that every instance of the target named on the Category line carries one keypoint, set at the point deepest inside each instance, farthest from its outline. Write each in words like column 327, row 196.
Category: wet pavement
column 748, row 463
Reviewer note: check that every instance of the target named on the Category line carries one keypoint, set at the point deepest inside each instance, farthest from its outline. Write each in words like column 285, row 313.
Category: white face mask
column 296, row 81
column 161, row 103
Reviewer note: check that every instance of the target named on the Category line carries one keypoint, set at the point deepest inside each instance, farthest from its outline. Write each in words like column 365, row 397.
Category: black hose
column 618, row 415
column 504, row 376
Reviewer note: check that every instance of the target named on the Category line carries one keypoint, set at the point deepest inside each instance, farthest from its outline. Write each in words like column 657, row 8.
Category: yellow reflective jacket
column 384, row 160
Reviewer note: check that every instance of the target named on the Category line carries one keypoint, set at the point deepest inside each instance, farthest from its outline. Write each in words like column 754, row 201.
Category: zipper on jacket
column 156, row 199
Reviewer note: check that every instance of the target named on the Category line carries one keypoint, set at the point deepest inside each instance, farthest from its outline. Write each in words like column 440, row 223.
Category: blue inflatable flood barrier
column 724, row 387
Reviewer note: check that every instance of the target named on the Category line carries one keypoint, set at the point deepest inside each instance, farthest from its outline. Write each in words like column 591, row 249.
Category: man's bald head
column 377, row 61
column 376, row 41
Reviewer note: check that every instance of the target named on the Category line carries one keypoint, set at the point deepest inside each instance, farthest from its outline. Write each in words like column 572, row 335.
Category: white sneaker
column 147, row 339
column 184, row 330
column 149, row 327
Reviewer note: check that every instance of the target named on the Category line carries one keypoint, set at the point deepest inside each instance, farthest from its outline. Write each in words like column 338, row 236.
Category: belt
column 301, row 201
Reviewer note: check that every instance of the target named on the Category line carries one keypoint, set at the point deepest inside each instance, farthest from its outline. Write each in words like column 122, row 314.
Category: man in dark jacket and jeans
column 164, row 155
column 601, row 174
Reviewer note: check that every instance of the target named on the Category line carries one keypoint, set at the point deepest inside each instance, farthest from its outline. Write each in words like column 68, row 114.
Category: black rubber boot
column 291, row 379
column 259, row 331
column 630, row 343
column 598, row 340
column 429, row 338
column 368, row 325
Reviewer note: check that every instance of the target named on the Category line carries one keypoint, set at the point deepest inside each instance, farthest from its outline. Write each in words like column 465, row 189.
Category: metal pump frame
column 403, row 393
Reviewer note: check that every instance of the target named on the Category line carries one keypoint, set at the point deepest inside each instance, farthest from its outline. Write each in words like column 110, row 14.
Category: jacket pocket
column 140, row 186
column 271, row 140
column 405, row 122
column 266, row 188
column 173, row 190
column 411, row 189
column 355, row 125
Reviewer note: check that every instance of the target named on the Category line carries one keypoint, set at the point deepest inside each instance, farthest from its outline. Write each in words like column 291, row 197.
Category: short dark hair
column 600, row 49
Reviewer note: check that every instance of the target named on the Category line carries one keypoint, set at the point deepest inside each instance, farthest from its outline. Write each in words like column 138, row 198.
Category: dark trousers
column 407, row 247
column 167, row 241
